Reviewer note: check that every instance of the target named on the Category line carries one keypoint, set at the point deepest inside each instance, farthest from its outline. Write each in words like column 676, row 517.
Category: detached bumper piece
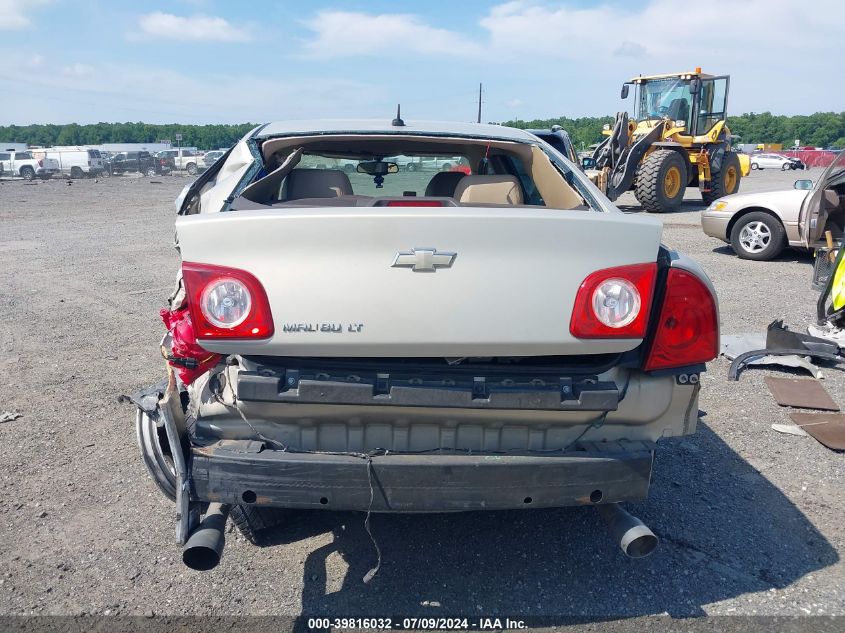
column 244, row 472
column 472, row 392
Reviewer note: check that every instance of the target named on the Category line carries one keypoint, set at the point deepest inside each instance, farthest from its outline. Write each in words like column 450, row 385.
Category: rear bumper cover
column 235, row 471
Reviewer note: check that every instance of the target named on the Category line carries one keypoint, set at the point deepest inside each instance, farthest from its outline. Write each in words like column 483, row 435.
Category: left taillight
column 614, row 303
column 226, row 302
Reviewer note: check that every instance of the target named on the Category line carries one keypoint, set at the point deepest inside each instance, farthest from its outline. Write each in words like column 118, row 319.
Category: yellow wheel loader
column 677, row 139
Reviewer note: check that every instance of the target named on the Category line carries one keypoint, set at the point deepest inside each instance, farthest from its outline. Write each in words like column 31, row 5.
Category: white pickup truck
column 503, row 339
column 22, row 163
column 184, row 159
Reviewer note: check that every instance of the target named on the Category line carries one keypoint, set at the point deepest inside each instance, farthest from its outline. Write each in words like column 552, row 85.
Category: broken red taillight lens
column 614, row 303
column 688, row 328
column 226, row 302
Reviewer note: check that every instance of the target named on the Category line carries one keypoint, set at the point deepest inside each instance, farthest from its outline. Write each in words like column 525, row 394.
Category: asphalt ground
column 750, row 520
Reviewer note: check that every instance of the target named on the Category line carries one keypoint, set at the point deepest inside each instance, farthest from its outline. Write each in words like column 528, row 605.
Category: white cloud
column 590, row 47
column 345, row 33
column 78, row 70
column 14, row 14
column 663, row 30
column 166, row 26
column 630, row 49
column 126, row 92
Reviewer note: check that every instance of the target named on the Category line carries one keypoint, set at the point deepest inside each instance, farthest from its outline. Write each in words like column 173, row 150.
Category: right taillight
column 687, row 331
column 226, row 302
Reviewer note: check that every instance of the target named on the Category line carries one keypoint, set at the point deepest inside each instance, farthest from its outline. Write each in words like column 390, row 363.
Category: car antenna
column 398, row 122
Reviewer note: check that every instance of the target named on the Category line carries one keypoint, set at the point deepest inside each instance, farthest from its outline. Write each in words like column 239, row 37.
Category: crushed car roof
column 384, row 126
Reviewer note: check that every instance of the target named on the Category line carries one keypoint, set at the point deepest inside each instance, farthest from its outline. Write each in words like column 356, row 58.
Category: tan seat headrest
column 317, row 183
column 489, row 190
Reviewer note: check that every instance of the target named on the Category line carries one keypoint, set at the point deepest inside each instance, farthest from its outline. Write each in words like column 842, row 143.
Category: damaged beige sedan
column 496, row 335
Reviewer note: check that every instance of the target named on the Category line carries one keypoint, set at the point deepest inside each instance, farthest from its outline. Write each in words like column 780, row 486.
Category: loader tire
column 661, row 181
column 254, row 522
column 725, row 181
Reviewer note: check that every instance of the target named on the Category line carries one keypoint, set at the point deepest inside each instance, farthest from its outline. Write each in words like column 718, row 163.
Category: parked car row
column 81, row 162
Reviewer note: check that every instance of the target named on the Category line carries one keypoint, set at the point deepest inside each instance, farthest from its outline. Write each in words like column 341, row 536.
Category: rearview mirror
column 377, row 168
column 588, row 162
column 625, row 88
column 695, row 85
column 803, row 184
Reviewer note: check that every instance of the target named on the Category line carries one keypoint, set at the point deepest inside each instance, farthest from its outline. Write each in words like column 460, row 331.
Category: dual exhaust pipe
column 204, row 548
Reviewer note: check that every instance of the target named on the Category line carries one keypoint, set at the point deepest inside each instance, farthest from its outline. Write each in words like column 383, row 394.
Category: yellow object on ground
column 837, row 291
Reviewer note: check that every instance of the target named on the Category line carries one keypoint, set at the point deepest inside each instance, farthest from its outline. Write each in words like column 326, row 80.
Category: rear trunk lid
column 423, row 282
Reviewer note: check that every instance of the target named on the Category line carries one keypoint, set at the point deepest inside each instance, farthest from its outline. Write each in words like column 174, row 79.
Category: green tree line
column 822, row 129
column 202, row 136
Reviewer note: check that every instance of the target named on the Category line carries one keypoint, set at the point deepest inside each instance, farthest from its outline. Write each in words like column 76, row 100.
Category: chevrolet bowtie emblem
column 423, row 260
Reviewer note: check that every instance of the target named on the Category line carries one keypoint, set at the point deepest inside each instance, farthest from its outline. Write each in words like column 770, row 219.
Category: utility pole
column 479, row 103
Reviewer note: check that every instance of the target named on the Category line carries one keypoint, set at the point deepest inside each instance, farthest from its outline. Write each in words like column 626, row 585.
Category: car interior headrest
column 317, row 183
column 502, row 189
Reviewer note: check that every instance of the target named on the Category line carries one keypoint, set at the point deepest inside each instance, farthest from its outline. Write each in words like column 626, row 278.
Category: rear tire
column 254, row 522
column 755, row 166
column 192, row 169
column 661, row 181
column 758, row 236
column 411, row 167
column 27, row 173
column 725, row 181
column 76, row 172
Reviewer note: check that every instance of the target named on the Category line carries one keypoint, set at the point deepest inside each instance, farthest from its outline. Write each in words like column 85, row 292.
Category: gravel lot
column 750, row 520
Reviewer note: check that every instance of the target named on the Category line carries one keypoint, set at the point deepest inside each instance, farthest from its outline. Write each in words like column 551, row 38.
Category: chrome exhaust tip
column 633, row 536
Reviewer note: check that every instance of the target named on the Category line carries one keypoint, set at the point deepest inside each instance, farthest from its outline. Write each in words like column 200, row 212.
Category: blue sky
column 206, row 61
